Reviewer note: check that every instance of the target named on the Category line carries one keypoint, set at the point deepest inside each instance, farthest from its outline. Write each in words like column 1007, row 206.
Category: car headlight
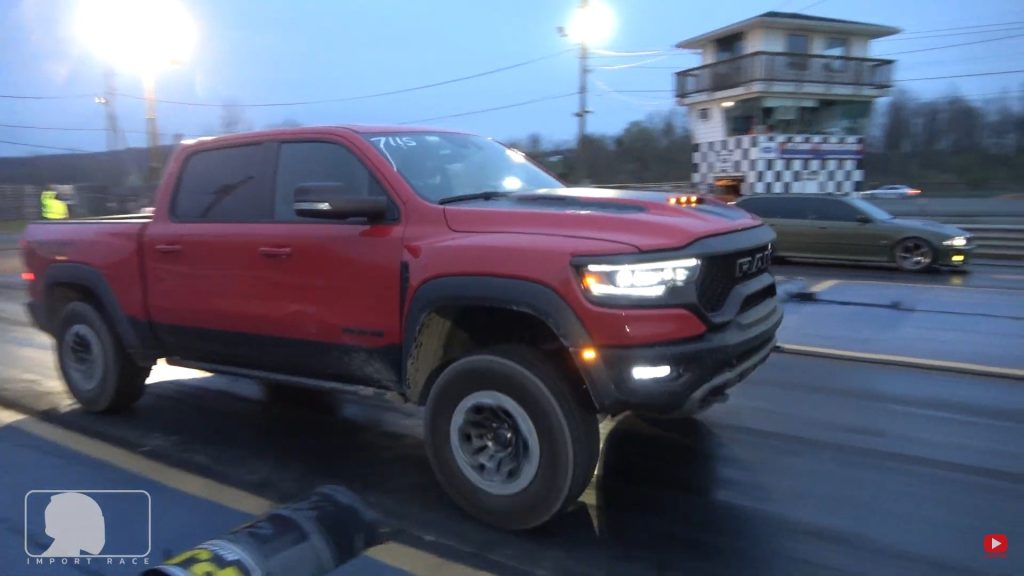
column 956, row 241
column 640, row 280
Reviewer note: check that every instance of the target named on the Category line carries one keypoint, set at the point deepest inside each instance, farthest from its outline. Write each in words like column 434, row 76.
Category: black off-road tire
column 566, row 433
column 96, row 368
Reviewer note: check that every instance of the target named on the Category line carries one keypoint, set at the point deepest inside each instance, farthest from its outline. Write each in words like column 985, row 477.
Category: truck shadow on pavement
column 656, row 503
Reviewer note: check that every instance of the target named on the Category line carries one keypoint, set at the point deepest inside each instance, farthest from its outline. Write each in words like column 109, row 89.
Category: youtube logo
column 995, row 545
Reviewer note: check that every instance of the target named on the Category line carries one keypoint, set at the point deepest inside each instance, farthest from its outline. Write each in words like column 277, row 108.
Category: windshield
column 442, row 165
column 870, row 209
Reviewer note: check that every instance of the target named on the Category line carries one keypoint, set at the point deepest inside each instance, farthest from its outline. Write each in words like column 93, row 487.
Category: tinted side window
column 790, row 208
column 223, row 185
column 309, row 162
column 832, row 210
column 763, row 207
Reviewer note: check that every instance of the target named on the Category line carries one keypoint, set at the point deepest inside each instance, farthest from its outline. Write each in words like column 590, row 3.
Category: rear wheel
column 507, row 439
column 914, row 254
column 97, row 370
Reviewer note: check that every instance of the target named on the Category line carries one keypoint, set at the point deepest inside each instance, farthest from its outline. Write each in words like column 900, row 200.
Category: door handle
column 168, row 248
column 271, row 252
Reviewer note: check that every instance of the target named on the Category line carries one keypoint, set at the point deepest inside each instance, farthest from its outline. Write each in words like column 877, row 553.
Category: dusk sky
column 262, row 51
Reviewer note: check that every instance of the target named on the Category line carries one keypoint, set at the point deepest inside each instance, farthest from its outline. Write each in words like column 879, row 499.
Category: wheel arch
column 432, row 321
column 64, row 283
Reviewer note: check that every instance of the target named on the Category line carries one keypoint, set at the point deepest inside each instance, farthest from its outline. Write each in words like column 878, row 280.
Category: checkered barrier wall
column 772, row 174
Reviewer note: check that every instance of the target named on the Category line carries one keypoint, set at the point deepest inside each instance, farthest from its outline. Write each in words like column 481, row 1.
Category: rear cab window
column 224, row 185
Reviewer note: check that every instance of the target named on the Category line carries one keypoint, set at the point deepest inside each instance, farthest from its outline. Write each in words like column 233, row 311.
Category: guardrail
column 1000, row 241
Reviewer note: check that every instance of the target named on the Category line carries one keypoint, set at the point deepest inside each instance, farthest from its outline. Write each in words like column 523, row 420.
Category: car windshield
column 870, row 209
column 442, row 165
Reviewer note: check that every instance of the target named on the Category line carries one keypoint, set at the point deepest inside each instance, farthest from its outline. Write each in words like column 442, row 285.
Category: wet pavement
column 815, row 465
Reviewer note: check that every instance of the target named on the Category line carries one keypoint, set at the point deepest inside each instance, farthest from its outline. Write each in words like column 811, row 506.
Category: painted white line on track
column 917, row 285
column 824, row 285
column 907, row 361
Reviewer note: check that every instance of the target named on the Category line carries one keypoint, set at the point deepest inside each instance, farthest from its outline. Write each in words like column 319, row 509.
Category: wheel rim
column 494, row 442
column 914, row 255
column 82, row 357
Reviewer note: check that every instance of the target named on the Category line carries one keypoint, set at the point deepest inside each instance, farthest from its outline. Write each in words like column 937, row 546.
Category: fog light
column 650, row 372
column 957, row 258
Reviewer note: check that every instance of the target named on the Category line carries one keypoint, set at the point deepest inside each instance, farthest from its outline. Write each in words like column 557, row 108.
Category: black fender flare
column 491, row 291
column 138, row 345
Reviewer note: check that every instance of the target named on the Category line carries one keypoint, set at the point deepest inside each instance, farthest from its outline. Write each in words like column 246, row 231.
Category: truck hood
column 642, row 219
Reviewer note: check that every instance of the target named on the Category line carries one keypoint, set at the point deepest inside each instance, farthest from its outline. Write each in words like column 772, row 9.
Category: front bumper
column 956, row 257
column 700, row 368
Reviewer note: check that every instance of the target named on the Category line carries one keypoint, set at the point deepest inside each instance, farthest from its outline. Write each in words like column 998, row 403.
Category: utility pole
column 152, row 134
column 115, row 137
column 581, row 114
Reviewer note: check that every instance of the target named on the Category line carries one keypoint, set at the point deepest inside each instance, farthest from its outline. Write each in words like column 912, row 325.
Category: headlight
column 646, row 280
column 956, row 241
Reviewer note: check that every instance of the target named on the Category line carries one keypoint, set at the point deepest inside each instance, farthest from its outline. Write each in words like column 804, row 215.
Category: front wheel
column 913, row 254
column 98, row 371
column 507, row 439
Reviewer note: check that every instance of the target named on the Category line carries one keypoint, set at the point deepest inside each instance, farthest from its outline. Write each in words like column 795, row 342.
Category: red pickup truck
column 442, row 266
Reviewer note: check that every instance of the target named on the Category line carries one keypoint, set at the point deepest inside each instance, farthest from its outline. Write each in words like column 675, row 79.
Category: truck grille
column 721, row 273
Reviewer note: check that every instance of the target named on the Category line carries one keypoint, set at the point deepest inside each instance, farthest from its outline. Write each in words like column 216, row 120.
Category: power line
column 65, row 97
column 641, row 103
column 632, row 65
column 952, row 45
column 994, row 24
column 62, row 149
column 59, row 128
column 364, row 96
column 72, row 129
column 961, row 76
column 809, row 6
column 492, row 109
column 600, row 52
column 897, row 39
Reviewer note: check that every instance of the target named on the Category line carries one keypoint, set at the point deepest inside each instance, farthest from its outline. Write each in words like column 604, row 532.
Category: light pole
column 142, row 37
column 592, row 22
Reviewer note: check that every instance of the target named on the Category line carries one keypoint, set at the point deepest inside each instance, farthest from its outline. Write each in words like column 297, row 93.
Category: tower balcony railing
column 784, row 67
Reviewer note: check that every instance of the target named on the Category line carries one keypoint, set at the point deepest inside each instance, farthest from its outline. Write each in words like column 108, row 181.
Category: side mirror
column 864, row 219
column 331, row 201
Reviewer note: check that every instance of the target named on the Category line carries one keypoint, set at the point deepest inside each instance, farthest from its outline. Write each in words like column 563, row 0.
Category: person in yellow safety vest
column 53, row 208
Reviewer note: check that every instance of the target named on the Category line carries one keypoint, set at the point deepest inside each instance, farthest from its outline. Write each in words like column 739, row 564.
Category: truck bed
column 110, row 245
column 140, row 217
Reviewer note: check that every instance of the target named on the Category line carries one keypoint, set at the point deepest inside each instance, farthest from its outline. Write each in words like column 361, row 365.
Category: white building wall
column 753, row 40
column 859, row 46
column 774, row 40
column 713, row 128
